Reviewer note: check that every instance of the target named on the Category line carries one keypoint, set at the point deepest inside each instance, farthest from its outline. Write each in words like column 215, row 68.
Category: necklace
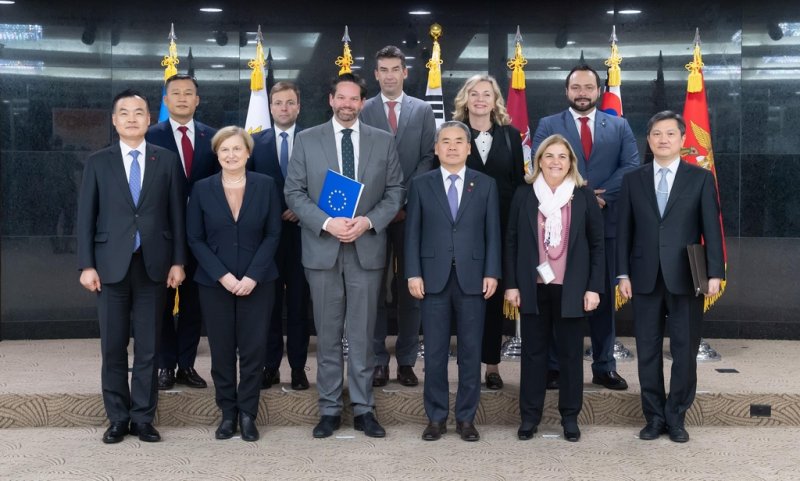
column 233, row 182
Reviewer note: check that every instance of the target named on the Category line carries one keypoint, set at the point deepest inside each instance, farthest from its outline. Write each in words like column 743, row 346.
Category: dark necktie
column 135, row 184
column 452, row 195
column 188, row 150
column 392, row 116
column 283, row 159
column 348, row 155
column 586, row 138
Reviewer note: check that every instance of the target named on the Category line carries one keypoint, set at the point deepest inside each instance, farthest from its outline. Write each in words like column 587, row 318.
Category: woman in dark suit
column 497, row 152
column 553, row 267
column 233, row 225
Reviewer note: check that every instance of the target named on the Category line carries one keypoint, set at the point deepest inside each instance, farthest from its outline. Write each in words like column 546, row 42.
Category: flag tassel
column 695, row 67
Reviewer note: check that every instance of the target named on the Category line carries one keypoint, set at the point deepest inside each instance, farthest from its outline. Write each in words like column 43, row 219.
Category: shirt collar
column 399, row 99
column 126, row 149
column 337, row 127
column 576, row 115
column 672, row 167
column 446, row 173
column 289, row 131
column 189, row 125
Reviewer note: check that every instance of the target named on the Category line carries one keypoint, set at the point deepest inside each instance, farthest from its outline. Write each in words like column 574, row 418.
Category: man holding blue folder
column 344, row 257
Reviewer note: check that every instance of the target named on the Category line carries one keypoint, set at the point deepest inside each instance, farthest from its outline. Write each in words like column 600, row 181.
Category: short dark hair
column 390, row 51
column 667, row 115
column 127, row 93
column 349, row 77
column 181, row 76
column 581, row 68
column 283, row 86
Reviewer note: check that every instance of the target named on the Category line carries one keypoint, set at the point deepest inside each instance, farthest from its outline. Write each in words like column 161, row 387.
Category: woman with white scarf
column 553, row 267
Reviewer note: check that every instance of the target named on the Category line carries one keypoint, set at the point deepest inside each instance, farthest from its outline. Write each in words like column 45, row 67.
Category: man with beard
column 344, row 257
column 606, row 150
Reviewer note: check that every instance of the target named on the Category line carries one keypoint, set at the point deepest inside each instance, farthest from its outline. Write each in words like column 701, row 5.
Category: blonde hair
column 573, row 160
column 499, row 113
column 226, row 133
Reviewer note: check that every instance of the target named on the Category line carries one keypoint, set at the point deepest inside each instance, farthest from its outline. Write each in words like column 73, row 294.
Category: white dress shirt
column 179, row 137
column 397, row 107
column 459, row 182
column 483, row 141
column 673, row 169
column 577, row 116
column 289, row 139
column 127, row 160
column 354, row 136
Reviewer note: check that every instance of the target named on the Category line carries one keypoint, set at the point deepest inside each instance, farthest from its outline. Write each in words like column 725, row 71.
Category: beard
column 345, row 115
column 586, row 108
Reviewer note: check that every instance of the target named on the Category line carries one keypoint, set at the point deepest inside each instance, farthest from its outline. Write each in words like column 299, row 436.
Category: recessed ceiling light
column 419, row 12
column 553, row 68
column 211, row 10
column 211, row 40
column 410, row 58
column 570, row 42
column 217, row 65
column 625, row 12
column 7, row 2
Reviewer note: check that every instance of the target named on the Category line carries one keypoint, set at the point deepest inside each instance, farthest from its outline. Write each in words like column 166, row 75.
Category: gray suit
column 344, row 278
column 416, row 129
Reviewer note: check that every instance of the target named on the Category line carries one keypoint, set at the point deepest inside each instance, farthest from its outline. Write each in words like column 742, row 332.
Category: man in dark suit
column 453, row 264
column 131, row 241
column 606, row 149
column 663, row 207
column 190, row 140
column 343, row 257
column 271, row 154
column 410, row 120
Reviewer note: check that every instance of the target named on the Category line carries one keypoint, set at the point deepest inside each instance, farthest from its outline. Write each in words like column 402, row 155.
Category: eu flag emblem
column 340, row 195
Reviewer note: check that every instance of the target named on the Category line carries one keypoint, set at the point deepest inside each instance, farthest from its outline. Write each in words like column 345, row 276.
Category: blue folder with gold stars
column 340, row 195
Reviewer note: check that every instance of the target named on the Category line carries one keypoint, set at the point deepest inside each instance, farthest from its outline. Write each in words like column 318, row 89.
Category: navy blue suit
column 291, row 284
column 452, row 257
column 179, row 339
column 614, row 153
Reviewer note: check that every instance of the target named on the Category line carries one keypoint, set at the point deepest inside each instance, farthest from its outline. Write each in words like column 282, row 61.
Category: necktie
column 586, row 138
column 135, row 184
column 452, row 195
column 348, row 155
column 188, row 150
column 392, row 116
column 662, row 191
column 283, row 159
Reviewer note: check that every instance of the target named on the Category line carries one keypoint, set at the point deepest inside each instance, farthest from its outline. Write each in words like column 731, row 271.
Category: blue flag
column 163, row 113
column 340, row 195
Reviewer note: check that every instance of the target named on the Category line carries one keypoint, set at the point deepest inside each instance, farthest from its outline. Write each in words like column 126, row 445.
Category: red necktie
column 392, row 116
column 586, row 138
column 188, row 151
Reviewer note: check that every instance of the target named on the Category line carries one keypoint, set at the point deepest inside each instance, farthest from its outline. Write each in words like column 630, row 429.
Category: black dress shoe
column 116, row 432
column 494, row 381
column 467, row 431
column 610, row 380
column 367, row 423
column 380, row 376
column 677, row 434
column 326, row 426
column 652, row 431
column 146, row 432
column 526, row 431
column 247, row 425
column 166, row 379
column 572, row 433
column 553, row 379
column 226, row 429
column 271, row 376
column 406, row 376
column 434, row 431
column 190, row 378
column 299, row 380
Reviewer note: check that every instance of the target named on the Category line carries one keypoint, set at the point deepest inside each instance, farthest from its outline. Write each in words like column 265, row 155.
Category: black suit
column 243, row 247
column 506, row 165
column 179, row 340
column 548, row 308
column 292, row 280
column 651, row 250
column 107, row 224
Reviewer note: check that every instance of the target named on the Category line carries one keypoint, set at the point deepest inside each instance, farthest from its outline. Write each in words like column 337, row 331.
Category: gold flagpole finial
column 257, row 64
column 695, row 67
column 614, row 72
column 346, row 60
column 171, row 61
column 517, row 63
column 434, row 64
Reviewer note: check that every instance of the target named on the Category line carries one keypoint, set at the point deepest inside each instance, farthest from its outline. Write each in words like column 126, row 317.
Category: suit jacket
column 614, row 153
column 243, row 247
column 506, row 167
column 416, row 129
column 433, row 239
column 646, row 242
column 204, row 162
column 378, row 169
column 264, row 159
column 585, row 251
column 108, row 219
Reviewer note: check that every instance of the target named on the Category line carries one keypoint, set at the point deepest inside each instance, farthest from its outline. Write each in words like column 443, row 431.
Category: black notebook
column 697, row 264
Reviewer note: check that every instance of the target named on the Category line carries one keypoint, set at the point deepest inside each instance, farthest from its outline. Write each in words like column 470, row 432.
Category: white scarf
column 550, row 204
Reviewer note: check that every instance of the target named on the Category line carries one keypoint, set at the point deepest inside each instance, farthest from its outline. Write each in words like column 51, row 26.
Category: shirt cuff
column 325, row 224
column 623, row 276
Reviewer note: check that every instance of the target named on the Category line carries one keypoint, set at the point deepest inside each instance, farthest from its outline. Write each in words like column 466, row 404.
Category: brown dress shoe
column 380, row 376
column 434, row 431
column 468, row 431
column 406, row 376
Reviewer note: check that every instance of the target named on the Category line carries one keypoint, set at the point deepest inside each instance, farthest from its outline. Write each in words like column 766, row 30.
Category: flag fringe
column 614, row 72
column 434, row 67
column 176, row 307
column 516, row 64
column 170, row 61
column 619, row 300
column 509, row 311
column 257, row 64
column 695, row 67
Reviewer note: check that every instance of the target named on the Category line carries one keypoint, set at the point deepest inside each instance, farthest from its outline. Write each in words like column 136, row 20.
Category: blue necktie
column 452, row 195
column 348, row 155
column 662, row 191
column 135, row 184
column 283, row 160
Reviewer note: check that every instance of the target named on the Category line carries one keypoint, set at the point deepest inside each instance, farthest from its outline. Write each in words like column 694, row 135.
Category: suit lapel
column 364, row 151
column 376, row 111
column 151, row 164
column 219, row 194
column 577, row 209
column 574, row 138
column 599, row 132
column 437, row 187
column 250, row 191
column 118, row 171
column 470, row 184
column 532, row 209
column 328, row 147
column 678, row 186
column 201, row 142
column 406, row 110
column 650, row 190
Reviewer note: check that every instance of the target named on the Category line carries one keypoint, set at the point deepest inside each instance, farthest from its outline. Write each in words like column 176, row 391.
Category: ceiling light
column 625, row 12
column 217, row 65
column 7, row 2
column 570, row 42
column 419, row 12
column 211, row 10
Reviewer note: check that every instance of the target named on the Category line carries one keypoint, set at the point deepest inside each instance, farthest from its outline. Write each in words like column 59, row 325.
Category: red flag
column 517, row 103
column 697, row 146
